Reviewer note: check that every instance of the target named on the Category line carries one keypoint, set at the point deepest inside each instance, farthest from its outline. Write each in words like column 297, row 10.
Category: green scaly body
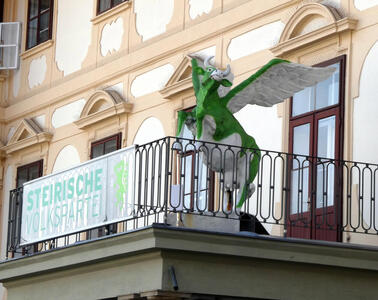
column 209, row 103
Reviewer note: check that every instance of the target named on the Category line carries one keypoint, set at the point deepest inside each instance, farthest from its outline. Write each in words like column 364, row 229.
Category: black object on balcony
column 252, row 224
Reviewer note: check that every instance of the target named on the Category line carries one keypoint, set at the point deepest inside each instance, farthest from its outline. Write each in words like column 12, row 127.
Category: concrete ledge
column 190, row 240
column 206, row 263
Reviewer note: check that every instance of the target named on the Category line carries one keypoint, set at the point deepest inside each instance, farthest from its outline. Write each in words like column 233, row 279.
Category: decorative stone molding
column 327, row 23
column 27, row 134
column 304, row 14
column 180, row 81
column 3, row 77
column 37, row 49
column 2, row 155
column 102, row 105
column 111, row 12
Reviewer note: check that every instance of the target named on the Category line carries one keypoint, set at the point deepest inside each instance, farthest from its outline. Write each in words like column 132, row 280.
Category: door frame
column 316, row 115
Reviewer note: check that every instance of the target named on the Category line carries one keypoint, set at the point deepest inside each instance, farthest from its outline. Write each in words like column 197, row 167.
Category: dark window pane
column 33, row 172
column 44, row 21
column 32, row 33
column 106, row 145
column 43, row 36
column 110, row 146
column 104, row 5
column 28, row 172
column 45, row 4
column 39, row 20
column 44, row 27
column 33, row 8
column 22, row 176
column 116, row 2
column 97, row 151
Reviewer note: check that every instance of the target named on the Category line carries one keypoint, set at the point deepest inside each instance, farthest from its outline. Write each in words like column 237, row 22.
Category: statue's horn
column 206, row 63
column 227, row 71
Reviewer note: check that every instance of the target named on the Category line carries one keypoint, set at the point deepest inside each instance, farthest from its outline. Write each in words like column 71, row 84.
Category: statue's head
column 212, row 73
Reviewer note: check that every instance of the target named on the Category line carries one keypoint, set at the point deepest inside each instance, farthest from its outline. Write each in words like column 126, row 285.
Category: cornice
column 295, row 43
column 115, row 107
column 173, row 90
column 27, row 142
column 160, row 240
column 306, row 12
column 35, row 136
column 107, row 113
column 179, row 81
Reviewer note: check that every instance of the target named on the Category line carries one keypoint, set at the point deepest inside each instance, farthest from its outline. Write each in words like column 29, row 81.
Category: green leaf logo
column 121, row 170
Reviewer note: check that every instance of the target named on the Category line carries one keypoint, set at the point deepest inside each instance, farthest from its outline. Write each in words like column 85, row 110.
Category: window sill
column 111, row 12
column 36, row 49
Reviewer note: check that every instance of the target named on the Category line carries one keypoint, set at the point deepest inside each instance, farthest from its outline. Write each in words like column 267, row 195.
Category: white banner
column 94, row 193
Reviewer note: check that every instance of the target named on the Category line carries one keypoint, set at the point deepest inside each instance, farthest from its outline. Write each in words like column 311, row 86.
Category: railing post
column 19, row 203
column 14, row 220
column 339, row 199
column 286, row 199
column 168, row 173
column 9, row 224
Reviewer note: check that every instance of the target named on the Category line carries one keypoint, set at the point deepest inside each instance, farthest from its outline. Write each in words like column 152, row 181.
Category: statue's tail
column 253, row 170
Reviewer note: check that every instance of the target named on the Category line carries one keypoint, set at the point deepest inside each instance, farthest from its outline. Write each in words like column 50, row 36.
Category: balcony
column 174, row 183
column 310, row 222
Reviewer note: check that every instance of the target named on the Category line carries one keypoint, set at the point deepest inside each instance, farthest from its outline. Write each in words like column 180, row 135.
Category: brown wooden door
column 314, row 207
column 326, row 206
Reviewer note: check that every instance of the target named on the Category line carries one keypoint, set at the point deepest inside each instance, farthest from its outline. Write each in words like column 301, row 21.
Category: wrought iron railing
column 192, row 183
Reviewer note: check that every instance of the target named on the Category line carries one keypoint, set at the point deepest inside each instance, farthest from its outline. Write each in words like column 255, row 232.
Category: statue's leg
column 248, row 188
column 182, row 116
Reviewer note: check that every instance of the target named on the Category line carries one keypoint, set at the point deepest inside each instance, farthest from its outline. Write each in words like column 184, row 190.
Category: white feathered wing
column 273, row 83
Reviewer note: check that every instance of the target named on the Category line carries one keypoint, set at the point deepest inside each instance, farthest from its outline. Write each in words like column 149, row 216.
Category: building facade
column 80, row 79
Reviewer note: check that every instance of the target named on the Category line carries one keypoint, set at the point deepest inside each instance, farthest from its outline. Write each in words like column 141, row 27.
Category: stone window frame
column 112, row 4
column 117, row 137
column 38, row 163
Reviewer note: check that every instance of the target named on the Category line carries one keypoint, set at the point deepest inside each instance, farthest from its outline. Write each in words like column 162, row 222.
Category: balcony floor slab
column 208, row 263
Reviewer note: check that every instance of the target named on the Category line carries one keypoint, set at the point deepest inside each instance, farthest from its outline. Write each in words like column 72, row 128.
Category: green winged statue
column 212, row 120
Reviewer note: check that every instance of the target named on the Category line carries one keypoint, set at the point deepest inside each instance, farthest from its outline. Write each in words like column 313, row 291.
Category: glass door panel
column 187, row 180
column 327, row 91
column 326, row 137
column 303, row 101
column 299, row 191
column 325, row 168
column 203, row 189
column 300, row 169
column 301, row 140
